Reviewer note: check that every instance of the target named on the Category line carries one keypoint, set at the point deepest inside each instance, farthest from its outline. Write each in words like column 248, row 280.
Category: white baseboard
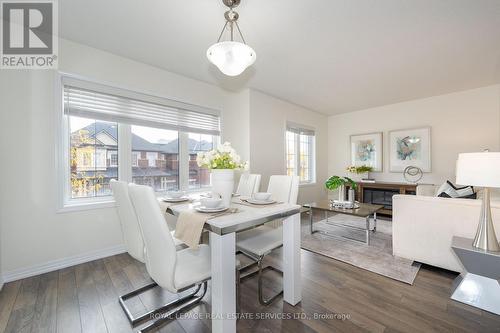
column 57, row 264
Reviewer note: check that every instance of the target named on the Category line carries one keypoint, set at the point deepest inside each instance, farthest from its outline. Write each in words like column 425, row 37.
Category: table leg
column 223, row 286
column 368, row 230
column 291, row 260
column 311, row 219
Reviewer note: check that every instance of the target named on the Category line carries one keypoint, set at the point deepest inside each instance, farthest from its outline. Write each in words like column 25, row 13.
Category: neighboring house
column 95, row 161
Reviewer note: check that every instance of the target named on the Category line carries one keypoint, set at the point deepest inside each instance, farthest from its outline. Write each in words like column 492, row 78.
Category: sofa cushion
column 449, row 190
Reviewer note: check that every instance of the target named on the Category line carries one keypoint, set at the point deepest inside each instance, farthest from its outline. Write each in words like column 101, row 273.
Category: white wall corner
column 57, row 264
column 1, row 283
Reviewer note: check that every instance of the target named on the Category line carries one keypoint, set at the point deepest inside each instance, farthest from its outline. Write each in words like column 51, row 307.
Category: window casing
column 300, row 153
column 118, row 150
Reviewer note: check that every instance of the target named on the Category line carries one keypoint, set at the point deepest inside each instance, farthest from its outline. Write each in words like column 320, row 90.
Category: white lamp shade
column 479, row 169
column 232, row 58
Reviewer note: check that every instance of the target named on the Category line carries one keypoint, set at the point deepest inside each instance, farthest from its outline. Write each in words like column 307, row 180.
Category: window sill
column 307, row 184
column 83, row 206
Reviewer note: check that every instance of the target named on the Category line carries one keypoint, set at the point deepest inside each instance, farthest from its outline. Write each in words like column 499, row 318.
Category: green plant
column 359, row 169
column 334, row 182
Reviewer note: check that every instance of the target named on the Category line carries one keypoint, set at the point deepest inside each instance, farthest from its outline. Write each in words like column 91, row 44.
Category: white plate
column 166, row 199
column 260, row 202
column 202, row 209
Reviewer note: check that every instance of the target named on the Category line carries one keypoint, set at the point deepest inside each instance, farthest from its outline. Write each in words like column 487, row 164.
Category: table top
column 364, row 210
column 247, row 217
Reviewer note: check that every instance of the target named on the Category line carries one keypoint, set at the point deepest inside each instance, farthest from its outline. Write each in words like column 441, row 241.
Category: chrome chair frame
column 258, row 260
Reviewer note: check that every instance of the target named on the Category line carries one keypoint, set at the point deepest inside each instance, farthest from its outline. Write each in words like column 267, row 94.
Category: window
column 159, row 140
column 199, row 177
column 160, row 166
column 300, row 153
column 90, row 141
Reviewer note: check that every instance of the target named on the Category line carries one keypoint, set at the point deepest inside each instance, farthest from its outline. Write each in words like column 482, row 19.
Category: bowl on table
column 262, row 196
column 175, row 194
column 210, row 202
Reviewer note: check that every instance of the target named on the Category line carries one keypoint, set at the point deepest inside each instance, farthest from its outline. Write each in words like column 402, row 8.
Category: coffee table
column 365, row 210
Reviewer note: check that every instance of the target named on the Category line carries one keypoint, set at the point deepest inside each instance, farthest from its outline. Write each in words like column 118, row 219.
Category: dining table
column 223, row 229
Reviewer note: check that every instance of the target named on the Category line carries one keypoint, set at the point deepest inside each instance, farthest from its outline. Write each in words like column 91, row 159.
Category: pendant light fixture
column 231, row 57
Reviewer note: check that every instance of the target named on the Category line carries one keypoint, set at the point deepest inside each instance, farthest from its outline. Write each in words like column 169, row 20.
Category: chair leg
column 261, row 297
column 134, row 321
column 168, row 315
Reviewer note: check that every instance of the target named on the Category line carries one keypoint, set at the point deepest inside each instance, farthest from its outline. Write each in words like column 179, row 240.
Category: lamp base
column 485, row 236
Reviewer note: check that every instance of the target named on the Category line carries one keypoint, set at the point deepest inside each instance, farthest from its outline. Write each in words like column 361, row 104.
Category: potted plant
column 222, row 162
column 337, row 182
column 362, row 169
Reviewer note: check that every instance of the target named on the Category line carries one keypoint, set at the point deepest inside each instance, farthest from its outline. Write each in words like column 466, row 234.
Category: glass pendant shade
column 232, row 58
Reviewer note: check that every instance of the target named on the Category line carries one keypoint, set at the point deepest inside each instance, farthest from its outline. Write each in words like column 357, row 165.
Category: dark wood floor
column 84, row 299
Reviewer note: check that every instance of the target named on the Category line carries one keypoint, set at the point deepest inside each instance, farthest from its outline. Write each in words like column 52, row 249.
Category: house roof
column 141, row 144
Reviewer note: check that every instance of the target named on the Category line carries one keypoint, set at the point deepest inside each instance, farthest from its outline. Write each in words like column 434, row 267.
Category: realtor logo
column 29, row 35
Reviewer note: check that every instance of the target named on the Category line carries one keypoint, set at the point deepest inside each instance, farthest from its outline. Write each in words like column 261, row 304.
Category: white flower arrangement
column 224, row 157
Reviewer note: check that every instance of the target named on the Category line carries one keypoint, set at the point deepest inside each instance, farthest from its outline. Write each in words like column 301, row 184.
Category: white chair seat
column 259, row 241
column 192, row 266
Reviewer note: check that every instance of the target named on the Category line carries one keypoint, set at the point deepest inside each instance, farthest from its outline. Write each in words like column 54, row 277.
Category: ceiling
column 332, row 56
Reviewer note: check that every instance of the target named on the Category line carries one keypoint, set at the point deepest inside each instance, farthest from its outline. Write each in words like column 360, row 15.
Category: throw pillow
column 449, row 190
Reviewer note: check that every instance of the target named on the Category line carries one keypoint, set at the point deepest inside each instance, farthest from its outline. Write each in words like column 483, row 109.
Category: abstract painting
column 410, row 147
column 366, row 149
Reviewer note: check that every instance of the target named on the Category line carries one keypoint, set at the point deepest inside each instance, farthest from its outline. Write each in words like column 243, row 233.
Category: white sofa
column 423, row 226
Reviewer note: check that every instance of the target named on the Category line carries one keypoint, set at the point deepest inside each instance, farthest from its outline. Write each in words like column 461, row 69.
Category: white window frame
column 312, row 156
column 63, row 174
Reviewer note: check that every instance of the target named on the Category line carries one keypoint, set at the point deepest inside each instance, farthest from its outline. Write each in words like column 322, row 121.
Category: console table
column 479, row 285
column 380, row 193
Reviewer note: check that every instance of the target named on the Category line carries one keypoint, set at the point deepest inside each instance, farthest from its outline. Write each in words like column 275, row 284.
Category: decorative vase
column 223, row 184
column 341, row 192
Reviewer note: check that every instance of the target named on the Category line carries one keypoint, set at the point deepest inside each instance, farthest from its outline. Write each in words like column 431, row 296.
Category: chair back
column 160, row 251
column 128, row 220
column 284, row 188
column 248, row 185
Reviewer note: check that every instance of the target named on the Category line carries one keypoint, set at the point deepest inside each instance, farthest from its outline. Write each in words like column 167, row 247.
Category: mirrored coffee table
column 366, row 211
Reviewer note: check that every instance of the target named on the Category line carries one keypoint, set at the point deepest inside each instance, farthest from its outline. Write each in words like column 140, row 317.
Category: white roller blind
column 162, row 113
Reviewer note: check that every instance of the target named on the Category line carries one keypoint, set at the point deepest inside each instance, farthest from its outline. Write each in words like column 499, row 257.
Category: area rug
column 377, row 257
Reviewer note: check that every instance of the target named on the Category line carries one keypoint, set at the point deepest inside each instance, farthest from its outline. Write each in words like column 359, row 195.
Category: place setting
column 175, row 196
column 258, row 199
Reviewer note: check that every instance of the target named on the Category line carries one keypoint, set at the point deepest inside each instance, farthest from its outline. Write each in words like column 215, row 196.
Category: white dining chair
column 132, row 236
column 256, row 243
column 248, row 184
column 175, row 271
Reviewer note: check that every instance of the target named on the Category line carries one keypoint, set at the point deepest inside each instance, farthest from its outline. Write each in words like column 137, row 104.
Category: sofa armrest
column 423, row 227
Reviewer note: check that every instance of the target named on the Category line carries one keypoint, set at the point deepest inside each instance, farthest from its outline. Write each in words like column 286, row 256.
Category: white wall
column 34, row 237
column 465, row 121
column 33, row 234
column 268, row 117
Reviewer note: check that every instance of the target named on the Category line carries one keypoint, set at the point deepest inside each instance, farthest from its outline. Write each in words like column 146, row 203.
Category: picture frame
column 410, row 147
column 367, row 149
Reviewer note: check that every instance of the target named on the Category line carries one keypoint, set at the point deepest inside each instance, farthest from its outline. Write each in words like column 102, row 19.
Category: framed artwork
column 366, row 149
column 410, row 147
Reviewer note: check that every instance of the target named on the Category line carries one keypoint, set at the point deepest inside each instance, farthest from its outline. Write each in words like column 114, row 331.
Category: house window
column 135, row 158
column 89, row 142
column 300, row 153
column 159, row 140
column 113, row 158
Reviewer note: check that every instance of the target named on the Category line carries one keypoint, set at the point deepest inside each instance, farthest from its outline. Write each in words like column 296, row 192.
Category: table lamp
column 481, row 169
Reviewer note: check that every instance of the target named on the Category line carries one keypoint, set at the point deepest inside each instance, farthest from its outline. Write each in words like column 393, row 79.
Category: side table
column 479, row 285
